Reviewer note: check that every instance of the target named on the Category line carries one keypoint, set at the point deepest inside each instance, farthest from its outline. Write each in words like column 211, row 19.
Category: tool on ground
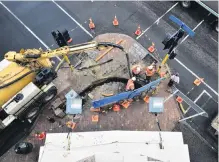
column 107, row 51
column 94, row 110
column 115, row 21
column 91, row 24
column 92, row 66
column 151, row 49
column 107, row 94
column 138, row 30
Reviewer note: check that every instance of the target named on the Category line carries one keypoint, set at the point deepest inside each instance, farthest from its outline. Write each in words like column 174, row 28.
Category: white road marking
column 85, row 30
column 157, row 21
column 196, row 76
column 73, row 29
column 171, row 95
column 214, row 40
column 43, row 43
column 204, row 91
column 192, row 30
column 188, row 68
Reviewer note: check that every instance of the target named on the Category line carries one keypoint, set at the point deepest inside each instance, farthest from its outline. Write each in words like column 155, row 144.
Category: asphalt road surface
column 29, row 25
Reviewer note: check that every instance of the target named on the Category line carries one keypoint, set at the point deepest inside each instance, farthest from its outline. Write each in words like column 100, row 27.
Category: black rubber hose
column 21, row 77
column 110, row 44
column 128, row 64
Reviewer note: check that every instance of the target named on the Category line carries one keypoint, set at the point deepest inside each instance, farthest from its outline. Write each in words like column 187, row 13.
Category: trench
column 103, row 81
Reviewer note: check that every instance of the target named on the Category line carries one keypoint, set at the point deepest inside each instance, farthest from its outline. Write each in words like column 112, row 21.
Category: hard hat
column 138, row 69
column 150, row 67
column 133, row 78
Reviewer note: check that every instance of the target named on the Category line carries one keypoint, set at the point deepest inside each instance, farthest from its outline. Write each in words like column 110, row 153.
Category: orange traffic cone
column 115, row 21
column 138, row 31
column 126, row 104
column 71, row 124
column 146, row 99
column 151, row 49
column 41, row 135
column 91, row 24
column 179, row 99
column 116, row 107
column 163, row 74
column 95, row 118
column 197, row 82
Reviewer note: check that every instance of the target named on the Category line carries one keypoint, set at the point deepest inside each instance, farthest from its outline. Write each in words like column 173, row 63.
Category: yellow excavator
column 26, row 79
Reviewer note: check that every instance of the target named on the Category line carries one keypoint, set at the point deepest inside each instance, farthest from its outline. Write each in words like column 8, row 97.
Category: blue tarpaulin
column 125, row 95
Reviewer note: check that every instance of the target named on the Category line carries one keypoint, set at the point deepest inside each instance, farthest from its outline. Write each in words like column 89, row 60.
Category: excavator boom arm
column 34, row 54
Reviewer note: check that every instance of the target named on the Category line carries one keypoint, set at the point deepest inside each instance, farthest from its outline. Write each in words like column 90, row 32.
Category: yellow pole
column 163, row 62
column 165, row 59
column 69, row 63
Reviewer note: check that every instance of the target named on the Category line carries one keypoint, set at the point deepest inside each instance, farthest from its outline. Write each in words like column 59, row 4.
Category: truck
column 26, row 80
column 210, row 6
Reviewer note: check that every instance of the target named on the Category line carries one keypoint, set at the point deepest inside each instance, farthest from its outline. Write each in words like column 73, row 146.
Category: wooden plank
column 107, row 51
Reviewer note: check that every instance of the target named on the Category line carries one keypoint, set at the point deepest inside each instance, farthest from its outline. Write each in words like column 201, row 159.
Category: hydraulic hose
column 110, row 44
column 128, row 64
column 21, row 77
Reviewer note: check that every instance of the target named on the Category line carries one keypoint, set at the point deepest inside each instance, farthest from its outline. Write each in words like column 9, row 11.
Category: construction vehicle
column 26, row 80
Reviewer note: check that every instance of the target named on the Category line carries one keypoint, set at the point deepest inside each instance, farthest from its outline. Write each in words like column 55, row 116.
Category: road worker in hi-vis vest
column 130, row 84
column 150, row 71
column 136, row 70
